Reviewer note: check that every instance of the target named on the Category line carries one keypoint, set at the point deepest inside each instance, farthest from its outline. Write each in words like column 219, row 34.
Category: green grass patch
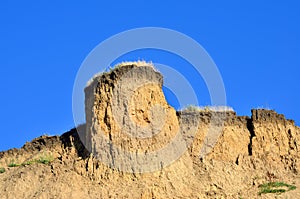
column 13, row 164
column 45, row 159
column 28, row 162
column 275, row 187
column 2, row 170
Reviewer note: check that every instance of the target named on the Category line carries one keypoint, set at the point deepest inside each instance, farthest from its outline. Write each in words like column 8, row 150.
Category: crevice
column 237, row 161
column 250, row 128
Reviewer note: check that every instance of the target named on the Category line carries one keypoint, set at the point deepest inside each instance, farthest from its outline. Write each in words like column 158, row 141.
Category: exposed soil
column 248, row 153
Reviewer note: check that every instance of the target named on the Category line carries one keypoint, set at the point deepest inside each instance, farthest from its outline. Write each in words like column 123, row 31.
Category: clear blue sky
column 255, row 45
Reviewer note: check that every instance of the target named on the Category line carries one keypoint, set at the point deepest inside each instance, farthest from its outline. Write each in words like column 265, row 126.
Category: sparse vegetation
column 28, row 162
column 13, row 164
column 119, row 65
column 275, row 187
column 194, row 108
column 266, row 107
column 2, row 170
column 126, row 63
column 45, row 159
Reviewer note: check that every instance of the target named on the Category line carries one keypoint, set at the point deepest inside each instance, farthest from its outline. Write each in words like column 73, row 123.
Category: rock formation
column 135, row 145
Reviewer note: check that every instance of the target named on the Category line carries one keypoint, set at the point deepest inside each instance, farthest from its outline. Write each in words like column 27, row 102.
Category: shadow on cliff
column 73, row 138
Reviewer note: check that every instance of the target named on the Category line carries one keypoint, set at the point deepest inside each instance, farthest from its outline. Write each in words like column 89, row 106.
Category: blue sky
column 255, row 45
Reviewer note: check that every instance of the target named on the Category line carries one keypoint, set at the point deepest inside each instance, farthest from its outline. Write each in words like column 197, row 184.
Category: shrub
column 2, row 170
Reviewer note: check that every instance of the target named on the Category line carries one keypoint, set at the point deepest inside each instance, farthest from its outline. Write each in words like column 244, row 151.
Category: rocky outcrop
column 128, row 119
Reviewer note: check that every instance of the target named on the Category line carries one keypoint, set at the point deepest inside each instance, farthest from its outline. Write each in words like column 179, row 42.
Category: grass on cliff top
column 126, row 63
column 194, row 108
column 119, row 65
column 275, row 187
column 2, row 170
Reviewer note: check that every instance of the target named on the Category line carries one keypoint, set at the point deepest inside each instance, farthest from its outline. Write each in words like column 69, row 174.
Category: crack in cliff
column 250, row 128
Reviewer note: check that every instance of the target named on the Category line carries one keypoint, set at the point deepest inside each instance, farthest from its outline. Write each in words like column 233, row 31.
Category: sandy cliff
column 135, row 145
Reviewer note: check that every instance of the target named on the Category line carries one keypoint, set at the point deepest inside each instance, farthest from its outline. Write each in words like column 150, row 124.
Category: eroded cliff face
column 128, row 118
column 135, row 92
column 124, row 149
column 275, row 139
